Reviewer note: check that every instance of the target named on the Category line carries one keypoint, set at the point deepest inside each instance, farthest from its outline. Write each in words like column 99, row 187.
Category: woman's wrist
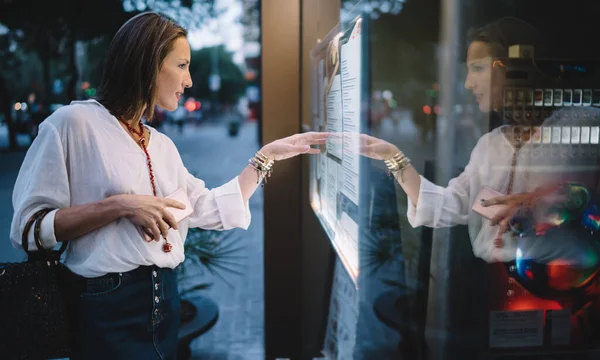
column 116, row 205
column 397, row 164
column 392, row 151
column 263, row 164
column 266, row 150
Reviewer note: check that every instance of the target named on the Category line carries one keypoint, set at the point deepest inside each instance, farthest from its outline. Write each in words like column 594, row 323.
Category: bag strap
column 38, row 240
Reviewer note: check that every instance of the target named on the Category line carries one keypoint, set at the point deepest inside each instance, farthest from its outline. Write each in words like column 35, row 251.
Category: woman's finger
column 170, row 219
column 155, row 231
column 495, row 201
column 164, row 228
column 512, row 199
column 332, row 136
column 311, row 142
column 314, row 135
column 148, row 232
column 367, row 138
column 499, row 241
column 502, row 200
column 504, row 224
column 501, row 215
column 173, row 203
column 301, row 149
column 318, row 142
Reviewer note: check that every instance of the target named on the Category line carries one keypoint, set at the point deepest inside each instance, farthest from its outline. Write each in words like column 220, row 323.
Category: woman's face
column 174, row 75
column 482, row 79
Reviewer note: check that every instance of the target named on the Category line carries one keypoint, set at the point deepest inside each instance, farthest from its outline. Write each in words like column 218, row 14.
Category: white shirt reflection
column 489, row 165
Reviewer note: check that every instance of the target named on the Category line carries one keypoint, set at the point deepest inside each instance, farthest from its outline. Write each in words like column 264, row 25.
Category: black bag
column 33, row 312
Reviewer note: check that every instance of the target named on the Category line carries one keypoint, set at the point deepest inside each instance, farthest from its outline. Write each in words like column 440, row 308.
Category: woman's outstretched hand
column 375, row 148
column 294, row 145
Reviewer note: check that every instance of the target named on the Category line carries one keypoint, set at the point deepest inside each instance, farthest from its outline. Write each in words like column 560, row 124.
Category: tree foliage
column 232, row 81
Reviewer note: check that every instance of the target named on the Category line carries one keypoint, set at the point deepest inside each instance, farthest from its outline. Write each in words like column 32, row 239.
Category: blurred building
column 252, row 52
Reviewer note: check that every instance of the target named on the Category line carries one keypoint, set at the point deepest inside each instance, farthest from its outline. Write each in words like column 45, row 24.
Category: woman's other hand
column 514, row 203
column 294, row 145
column 150, row 213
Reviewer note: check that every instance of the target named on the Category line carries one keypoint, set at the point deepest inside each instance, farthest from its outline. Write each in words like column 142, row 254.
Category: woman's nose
column 468, row 83
column 188, row 82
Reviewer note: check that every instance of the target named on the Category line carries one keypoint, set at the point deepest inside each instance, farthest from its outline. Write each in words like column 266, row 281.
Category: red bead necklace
column 167, row 247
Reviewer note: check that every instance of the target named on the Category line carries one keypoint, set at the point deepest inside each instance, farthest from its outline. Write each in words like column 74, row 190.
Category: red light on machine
column 427, row 109
column 197, row 105
column 531, row 303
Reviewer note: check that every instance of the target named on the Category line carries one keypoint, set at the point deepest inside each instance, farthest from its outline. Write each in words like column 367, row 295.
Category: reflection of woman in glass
column 436, row 206
column 501, row 161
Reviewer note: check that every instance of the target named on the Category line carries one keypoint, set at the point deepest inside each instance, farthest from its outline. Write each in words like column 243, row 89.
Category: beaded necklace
column 167, row 247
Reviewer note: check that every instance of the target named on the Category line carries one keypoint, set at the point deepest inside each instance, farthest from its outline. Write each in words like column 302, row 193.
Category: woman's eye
column 182, row 66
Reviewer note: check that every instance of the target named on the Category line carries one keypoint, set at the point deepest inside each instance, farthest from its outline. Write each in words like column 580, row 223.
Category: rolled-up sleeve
column 221, row 208
column 42, row 183
column 439, row 206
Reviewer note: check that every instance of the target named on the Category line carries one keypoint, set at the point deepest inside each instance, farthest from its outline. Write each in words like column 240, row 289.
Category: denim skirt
column 130, row 315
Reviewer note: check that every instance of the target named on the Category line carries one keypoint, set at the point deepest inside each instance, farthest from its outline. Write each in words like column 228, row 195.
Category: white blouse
column 82, row 155
column 490, row 165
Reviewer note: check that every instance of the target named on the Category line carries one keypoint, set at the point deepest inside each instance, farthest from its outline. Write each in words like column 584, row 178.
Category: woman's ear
column 497, row 84
column 498, row 64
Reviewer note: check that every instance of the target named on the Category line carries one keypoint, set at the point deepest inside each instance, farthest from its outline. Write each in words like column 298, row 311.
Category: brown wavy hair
column 133, row 60
column 503, row 33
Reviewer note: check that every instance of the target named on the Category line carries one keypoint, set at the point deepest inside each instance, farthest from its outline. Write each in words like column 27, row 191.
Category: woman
column 106, row 176
column 506, row 161
column 501, row 160
column 436, row 206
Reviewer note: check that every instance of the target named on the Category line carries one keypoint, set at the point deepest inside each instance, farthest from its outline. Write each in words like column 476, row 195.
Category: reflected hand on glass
column 294, row 145
column 375, row 148
column 523, row 201
column 515, row 203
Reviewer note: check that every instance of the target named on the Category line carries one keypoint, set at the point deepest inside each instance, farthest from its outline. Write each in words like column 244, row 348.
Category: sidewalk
column 216, row 158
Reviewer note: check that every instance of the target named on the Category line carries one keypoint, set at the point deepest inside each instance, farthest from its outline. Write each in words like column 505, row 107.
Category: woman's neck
column 135, row 122
column 518, row 134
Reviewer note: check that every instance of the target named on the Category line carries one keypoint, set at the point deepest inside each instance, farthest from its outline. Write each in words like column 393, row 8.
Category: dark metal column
column 280, row 22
